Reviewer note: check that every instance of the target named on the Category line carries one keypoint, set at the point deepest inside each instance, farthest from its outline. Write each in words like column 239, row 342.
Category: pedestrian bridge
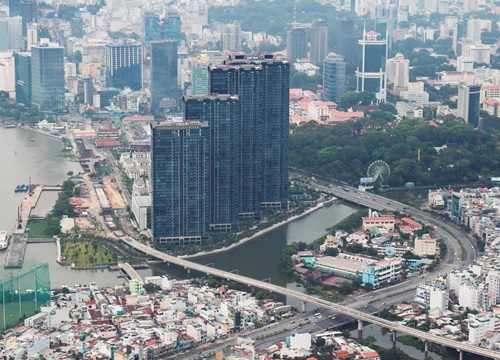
column 361, row 316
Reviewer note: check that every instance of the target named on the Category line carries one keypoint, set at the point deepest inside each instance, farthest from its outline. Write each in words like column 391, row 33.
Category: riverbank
column 261, row 232
column 40, row 131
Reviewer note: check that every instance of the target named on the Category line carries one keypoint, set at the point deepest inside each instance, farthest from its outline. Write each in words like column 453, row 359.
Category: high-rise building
column 296, row 43
column 77, row 25
column 333, row 77
column 180, row 174
column 465, row 63
column 14, row 7
column 23, row 78
column 345, row 41
column 173, row 26
column 262, row 84
column 474, row 31
column 199, row 76
column 469, row 103
column 151, row 27
column 163, row 73
column 371, row 71
column 231, row 37
column 11, row 33
column 398, row 72
column 32, row 35
column 28, row 13
column 47, row 76
column 124, row 65
column 319, row 41
column 222, row 113
column 88, row 93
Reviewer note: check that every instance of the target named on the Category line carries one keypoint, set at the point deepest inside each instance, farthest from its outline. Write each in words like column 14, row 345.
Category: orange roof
column 379, row 218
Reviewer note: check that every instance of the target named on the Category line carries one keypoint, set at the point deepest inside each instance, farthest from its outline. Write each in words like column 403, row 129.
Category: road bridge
column 128, row 270
column 304, row 298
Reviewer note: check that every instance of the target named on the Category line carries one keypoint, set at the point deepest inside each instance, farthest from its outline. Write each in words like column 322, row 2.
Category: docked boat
column 31, row 140
column 4, row 240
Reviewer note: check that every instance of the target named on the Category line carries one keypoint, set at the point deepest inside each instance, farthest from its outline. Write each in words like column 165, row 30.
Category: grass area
column 105, row 170
column 38, row 229
column 410, row 341
column 86, row 253
column 12, row 316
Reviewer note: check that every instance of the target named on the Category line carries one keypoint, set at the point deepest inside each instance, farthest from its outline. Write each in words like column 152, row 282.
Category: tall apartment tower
column 222, row 113
column 262, row 84
column 124, row 65
column 11, row 33
column 319, row 41
column 398, row 72
column 333, row 77
column 173, row 26
column 371, row 71
column 199, row 76
column 163, row 73
column 296, row 43
column 345, row 41
column 150, row 27
column 180, row 173
column 31, row 36
column 47, row 76
column 231, row 37
column 469, row 103
column 474, row 31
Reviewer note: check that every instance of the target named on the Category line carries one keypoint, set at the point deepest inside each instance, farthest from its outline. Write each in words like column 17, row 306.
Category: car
column 371, row 297
column 293, row 322
column 333, row 318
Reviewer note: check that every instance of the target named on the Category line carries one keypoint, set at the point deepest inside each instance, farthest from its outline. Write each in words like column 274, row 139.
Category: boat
column 18, row 188
column 31, row 140
column 4, row 240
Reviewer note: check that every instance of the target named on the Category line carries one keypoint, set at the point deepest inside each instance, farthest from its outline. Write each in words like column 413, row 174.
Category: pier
column 29, row 203
column 16, row 252
column 130, row 272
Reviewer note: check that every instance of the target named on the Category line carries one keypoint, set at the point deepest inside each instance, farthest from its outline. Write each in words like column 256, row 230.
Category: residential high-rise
column 28, row 13
column 319, row 41
column 262, row 84
column 333, row 77
column 88, row 92
column 32, row 35
column 22, row 61
column 469, row 103
column 47, row 76
column 222, row 113
column 345, row 40
column 163, row 73
column 231, row 37
column 371, row 71
column 151, row 27
column 296, row 43
column 156, row 29
column 11, row 33
column 180, row 174
column 398, row 72
column 474, row 31
column 199, row 76
column 173, row 26
column 124, row 65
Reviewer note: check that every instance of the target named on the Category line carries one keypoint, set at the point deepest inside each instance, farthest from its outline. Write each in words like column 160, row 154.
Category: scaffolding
column 22, row 295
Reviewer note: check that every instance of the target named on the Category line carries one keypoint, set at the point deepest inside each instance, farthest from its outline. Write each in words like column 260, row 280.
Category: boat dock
column 130, row 272
column 28, row 204
column 16, row 252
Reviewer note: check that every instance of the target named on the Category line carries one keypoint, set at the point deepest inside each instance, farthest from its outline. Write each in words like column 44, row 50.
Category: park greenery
column 345, row 151
column 51, row 225
column 86, row 253
column 17, row 113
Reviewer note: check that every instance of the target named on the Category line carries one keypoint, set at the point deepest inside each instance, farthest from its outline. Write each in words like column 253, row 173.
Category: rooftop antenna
column 294, row 13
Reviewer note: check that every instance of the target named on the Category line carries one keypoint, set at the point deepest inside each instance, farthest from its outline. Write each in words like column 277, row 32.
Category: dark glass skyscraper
column 319, row 41
column 163, row 73
column 151, row 27
column 180, row 172
column 23, row 78
column 262, row 84
column 469, row 104
column 28, row 13
column 124, row 65
column 345, row 40
column 222, row 113
column 47, row 76
column 296, row 43
column 333, row 77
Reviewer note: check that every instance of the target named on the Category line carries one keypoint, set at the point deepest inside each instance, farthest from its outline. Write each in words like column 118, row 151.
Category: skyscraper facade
column 371, row 71
column 47, row 76
column 155, row 28
column 28, row 13
column 180, row 173
column 319, row 41
column 31, row 36
column 222, row 113
column 11, row 33
column 199, row 76
column 345, row 41
column 262, row 84
column 469, row 104
column 398, row 72
column 22, row 63
column 14, row 7
column 163, row 73
column 333, row 77
column 124, row 65
column 173, row 26
column 231, row 37
column 296, row 43
column 151, row 27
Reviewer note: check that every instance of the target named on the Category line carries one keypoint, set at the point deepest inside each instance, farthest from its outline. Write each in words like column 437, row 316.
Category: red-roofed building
column 372, row 355
column 415, row 225
column 107, row 144
column 138, row 118
column 490, row 105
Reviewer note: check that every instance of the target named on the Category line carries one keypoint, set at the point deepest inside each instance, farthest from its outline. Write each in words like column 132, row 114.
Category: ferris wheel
column 379, row 169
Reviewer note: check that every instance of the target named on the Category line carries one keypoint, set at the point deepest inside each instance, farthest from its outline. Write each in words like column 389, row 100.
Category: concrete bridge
column 461, row 347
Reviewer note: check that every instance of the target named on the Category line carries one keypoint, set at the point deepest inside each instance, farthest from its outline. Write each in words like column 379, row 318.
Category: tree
column 345, row 287
column 393, row 354
column 331, row 252
column 369, row 341
column 151, row 288
column 368, row 287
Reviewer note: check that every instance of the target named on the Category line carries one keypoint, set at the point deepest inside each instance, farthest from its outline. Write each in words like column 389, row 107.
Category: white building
column 7, row 74
column 398, row 72
column 141, row 208
column 479, row 53
column 455, row 278
column 465, row 63
column 493, row 282
column 480, row 325
column 474, row 31
column 425, row 245
column 438, row 299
